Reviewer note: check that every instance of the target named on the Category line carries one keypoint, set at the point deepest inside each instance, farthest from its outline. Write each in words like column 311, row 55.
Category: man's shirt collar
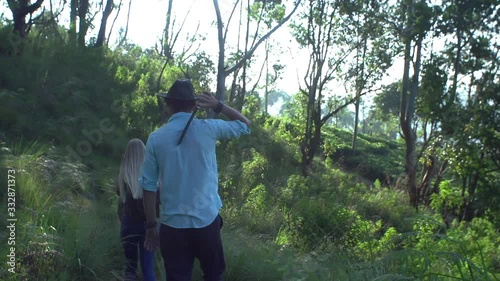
column 179, row 115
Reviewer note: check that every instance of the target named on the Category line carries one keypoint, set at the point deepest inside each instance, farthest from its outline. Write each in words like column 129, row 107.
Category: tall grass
column 64, row 232
column 60, row 233
column 35, row 242
column 250, row 258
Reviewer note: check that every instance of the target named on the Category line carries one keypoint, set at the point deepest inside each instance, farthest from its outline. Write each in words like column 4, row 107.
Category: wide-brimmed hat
column 182, row 89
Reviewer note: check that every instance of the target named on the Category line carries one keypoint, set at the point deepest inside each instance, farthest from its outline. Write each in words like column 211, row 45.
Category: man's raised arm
column 207, row 101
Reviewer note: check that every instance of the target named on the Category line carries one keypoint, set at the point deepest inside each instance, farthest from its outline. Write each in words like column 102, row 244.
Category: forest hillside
column 326, row 187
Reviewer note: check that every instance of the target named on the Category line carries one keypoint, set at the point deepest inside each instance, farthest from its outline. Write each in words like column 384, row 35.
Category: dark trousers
column 132, row 234
column 179, row 248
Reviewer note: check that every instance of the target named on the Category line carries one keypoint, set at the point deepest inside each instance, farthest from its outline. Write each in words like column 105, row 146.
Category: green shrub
column 313, row 223
column 388, row 205
column 259, row 215
column 476, row 241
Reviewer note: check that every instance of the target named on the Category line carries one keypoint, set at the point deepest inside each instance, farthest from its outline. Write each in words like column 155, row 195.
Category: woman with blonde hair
column 131, row 213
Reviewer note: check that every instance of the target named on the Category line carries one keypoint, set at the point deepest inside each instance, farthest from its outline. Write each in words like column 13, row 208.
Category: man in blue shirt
column 181, row 155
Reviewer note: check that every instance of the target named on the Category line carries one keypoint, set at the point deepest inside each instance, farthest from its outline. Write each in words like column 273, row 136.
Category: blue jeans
column 132, row 235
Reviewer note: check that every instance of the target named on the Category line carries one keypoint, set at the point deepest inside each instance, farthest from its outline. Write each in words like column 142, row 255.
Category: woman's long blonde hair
column 130, row 169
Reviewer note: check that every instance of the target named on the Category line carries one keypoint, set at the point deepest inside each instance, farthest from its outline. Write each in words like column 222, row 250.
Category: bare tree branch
column 325, row 118
column 174, row 40
column 262, row 39
column 124, row 38
column 114, row 21
column 165, row 40
column 183, row 56
column 258, row 78
column 230, row 17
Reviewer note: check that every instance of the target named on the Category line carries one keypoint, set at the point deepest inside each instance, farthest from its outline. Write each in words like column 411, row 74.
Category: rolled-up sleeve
column 228, row 129
column 149, row 169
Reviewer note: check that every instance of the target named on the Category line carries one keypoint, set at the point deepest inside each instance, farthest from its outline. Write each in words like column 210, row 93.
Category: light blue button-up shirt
column 189, row 191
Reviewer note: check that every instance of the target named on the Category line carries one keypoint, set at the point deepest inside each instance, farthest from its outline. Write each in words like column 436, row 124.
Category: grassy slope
column 65, row 233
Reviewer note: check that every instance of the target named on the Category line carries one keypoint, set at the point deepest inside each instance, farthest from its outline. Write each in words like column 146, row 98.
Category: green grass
column 60, row 232
column 374, row 158
column 69, row 230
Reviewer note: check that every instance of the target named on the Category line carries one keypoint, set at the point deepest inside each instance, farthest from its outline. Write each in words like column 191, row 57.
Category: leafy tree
column 271, row 79
column 344, row 119
column 373, row 49
column 473, row 153
column 383, row 115
column 386, row 104
column 322, row 29
column 467, row 110
column 273, row 97
column 429, row 105
column 222, row 70
column 417, row 16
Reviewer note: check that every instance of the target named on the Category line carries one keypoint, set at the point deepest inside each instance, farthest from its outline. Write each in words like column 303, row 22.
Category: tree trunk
column 241, row 97
column 20, row 9
column 311, row 150
column 73, row 14
column 407, row 109
column 221, row 71
column 411, row 167
column 428, row 172
column 356, row 122
column 167, row 46
column 234, row 85
column 305, row 146
column 266, row 93
column 102, row 30
column 360, row 84
column 311, row 136
column 316, row 138
column 83, row 8
column 412, row 156
column 439, row 178
column 468, row 209
column 456, row 69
